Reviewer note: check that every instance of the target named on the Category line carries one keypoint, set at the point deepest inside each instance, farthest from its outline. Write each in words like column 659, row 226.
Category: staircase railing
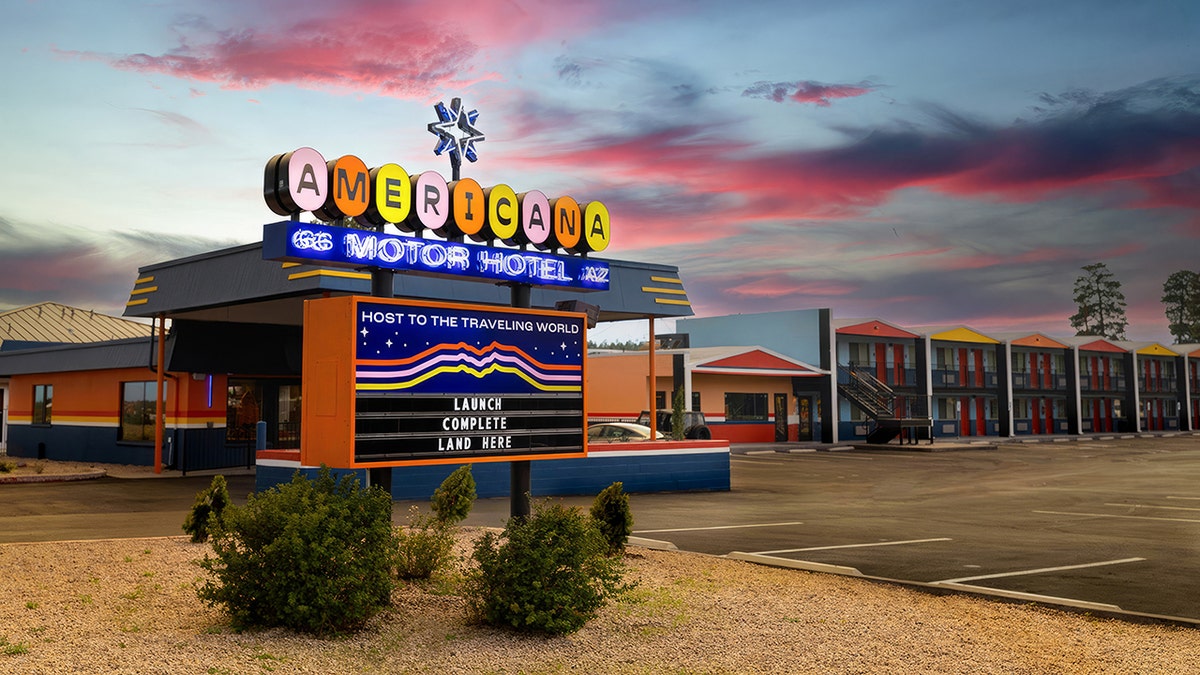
column 873, row 396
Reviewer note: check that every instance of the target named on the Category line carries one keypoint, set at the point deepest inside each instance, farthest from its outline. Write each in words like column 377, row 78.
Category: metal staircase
column 878, row 401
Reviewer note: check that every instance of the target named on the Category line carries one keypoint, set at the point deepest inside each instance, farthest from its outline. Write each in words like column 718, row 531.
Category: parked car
column 619, row 431
column 694, row 426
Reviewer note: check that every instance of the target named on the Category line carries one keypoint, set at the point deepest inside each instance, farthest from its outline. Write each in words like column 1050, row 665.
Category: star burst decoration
column 456, row 131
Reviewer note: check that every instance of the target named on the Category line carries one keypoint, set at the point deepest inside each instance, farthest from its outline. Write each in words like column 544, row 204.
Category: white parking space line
column 1188, row 498
column 719, row 527
column 1042, row 570
column 1155, row 506
column 1113, row 515
column 829, row 548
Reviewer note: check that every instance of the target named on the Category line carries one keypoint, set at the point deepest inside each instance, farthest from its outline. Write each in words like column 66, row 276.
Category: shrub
column 453, row 499
column 424, row 546
column 677, row 417
column 7, row 466
column 207, row 509
column 312, row 556
column 611, row 512
column 547, row 572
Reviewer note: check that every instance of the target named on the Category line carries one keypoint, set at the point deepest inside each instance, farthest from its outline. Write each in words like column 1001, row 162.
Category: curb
column 54, row 478
column 942, row 588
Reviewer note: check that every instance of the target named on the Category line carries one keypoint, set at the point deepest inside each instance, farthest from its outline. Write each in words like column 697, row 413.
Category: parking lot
column 1104, row 524
column 1099, row 523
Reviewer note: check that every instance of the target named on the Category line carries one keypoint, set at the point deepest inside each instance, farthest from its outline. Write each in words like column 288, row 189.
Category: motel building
column 234, row 385
column 397, row 356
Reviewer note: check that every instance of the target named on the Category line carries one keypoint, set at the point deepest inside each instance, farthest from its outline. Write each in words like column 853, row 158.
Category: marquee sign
column 398, row 382
column 344, row 247
column 302, row 180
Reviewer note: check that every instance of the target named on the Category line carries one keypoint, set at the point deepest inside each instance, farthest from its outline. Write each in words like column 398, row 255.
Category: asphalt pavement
column 1109, row 524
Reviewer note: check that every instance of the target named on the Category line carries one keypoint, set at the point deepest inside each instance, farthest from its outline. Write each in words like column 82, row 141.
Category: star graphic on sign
column 388, row 343
column 456, row 131
column 563, row 346
column 364, row 331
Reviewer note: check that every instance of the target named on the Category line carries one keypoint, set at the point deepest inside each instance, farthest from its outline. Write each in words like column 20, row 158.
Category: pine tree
column 1101, row 304
column 1181, row 298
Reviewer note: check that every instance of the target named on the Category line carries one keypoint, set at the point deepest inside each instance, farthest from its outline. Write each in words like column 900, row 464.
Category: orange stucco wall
column 93, row 397
column 617, row 383
column 617, row 388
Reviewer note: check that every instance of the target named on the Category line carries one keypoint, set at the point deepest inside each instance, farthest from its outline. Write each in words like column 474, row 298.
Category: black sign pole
column 382, row 286
column 519, row 482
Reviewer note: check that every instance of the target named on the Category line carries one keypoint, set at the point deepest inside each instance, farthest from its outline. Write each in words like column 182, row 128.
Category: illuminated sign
column 344, row 247
column 456, row 131
column 393, row 382
column 302, row 180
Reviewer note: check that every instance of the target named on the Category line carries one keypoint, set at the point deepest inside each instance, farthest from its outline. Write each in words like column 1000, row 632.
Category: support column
column 160, row 419
column 519, row 473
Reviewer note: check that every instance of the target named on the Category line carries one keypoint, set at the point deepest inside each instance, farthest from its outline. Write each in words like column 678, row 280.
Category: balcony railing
column 953, row 378
column 1115, row 383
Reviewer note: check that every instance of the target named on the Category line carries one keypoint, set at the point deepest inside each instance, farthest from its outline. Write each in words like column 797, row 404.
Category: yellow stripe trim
column 290, row 264
column 143, row 280
column 148, row 289
column 139, row 301
column 672, row 301
column 666, row 280
column 669, row 291
column 328, row 273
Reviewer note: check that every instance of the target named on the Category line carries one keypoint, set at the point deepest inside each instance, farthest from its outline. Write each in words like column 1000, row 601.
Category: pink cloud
column 776, row 287
column 405, row 50
column 807, row 91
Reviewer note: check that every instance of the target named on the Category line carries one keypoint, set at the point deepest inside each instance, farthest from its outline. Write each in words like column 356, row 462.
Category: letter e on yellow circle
column 391, row 195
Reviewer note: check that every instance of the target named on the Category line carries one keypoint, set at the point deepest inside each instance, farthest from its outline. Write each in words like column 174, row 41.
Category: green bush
column 312, row 556
column 547, row 572
column 611, row 512
column 424, row 546
column 209, row 505
column 7, row 466
column 677, row 417
column 453, row 499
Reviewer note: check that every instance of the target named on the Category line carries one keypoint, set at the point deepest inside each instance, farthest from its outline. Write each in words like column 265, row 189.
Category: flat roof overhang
column 237, row 285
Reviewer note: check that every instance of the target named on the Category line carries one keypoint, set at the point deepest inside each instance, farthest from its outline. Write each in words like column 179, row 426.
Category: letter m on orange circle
column 350, row 179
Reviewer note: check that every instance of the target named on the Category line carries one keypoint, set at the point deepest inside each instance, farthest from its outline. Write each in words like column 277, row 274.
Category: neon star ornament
column 456, row 133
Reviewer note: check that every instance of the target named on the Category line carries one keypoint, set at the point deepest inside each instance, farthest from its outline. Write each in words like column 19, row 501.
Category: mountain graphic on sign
column 492, row 361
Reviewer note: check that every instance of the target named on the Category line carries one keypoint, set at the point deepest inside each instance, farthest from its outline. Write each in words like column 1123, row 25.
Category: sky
column 921, row 162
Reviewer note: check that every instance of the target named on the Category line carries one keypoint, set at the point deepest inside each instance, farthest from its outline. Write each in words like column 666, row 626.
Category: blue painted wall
column 586, row 476
column 794, row 333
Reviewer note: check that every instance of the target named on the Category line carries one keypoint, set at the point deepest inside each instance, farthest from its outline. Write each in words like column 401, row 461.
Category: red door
column 1049, row 416
column 964, row 416
column 898, row 358
column 980, row 415
column 881, row 362
column 1035, row 415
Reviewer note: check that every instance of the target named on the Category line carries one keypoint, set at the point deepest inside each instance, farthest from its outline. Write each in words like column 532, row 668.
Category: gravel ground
column 129, row 606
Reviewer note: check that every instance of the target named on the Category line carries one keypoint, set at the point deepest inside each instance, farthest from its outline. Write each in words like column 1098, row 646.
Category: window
column 660, row 401
column 43, row 403
column 746, row 407
column 695, row 401
column 243, row 410
column 137, row 412
column 860, row 354
column 289, row 415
